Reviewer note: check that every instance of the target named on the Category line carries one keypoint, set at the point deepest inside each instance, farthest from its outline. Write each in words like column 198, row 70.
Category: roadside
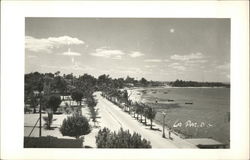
column 114, row 118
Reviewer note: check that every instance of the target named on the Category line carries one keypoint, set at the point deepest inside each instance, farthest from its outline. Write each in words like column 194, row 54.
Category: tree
column 59, row 84
column 33, row 102
column 138, row 110
column 150, row 114
column 123, row 139
column 75, row 126
column 144, row 82
column 52, row 104
column 91, row 102
column 77, row 96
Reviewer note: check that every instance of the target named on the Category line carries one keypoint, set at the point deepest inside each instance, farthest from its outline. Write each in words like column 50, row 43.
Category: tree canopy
column 53, row 102
column 77, row 96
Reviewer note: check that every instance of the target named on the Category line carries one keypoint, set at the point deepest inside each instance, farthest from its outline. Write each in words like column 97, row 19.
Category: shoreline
column 164, row 104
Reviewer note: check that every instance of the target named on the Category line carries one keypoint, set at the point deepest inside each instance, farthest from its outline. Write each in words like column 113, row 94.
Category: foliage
column 53, row 102
column 123, row 139
column 59, row 84
column 181, row 83
column 75, row 126
column 33, row 82
column 138, row 110
column 77, row 96
column 144, row 82
column 150, row 114
column 91, row 102
column 33, row 101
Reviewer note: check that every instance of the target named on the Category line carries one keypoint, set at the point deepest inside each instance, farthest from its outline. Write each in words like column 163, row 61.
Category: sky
column 159, row 49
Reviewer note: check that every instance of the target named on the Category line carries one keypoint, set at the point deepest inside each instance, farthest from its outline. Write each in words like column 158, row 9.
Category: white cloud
column 47, row 44
column 193, row 63
column 153, row 60
column 177, row 66
column 150, row 66
column 225, row 66
column 191, row 56
column 71, row 54
column 77, row 67
column 108, row 53
column 136, row 54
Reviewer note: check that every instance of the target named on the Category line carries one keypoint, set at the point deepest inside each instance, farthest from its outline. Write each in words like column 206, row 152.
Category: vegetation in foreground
column 75, row 126
column 122, row 139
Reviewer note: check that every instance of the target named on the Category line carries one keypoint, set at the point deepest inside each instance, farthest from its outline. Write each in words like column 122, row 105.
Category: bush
column 123, row 139
column 75, row 126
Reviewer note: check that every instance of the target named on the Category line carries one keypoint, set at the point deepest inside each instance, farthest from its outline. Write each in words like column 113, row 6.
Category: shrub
column 123, row 139
column 75, row 126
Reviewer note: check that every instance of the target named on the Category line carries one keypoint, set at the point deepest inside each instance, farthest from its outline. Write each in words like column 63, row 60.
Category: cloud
column 177, row 66
column 153, row 60
column 77, row 67
column 225, row 66
column 135, row 71
column 71, row 53
column 187, row 57
column 108, row 53
column 136, row 54
column 150, row 66
column 198, row 62
column 48, row 44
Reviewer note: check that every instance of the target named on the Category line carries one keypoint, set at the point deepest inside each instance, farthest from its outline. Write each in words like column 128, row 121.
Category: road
column 112, row 117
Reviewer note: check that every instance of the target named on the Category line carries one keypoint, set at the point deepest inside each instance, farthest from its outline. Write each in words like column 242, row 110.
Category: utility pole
column 163, row 126
column 40, row 116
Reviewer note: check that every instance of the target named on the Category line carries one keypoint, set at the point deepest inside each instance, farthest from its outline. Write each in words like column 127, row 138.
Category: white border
column 12, row 73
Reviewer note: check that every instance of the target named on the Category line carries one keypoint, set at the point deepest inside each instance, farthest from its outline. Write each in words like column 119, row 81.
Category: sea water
column 194, row 112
